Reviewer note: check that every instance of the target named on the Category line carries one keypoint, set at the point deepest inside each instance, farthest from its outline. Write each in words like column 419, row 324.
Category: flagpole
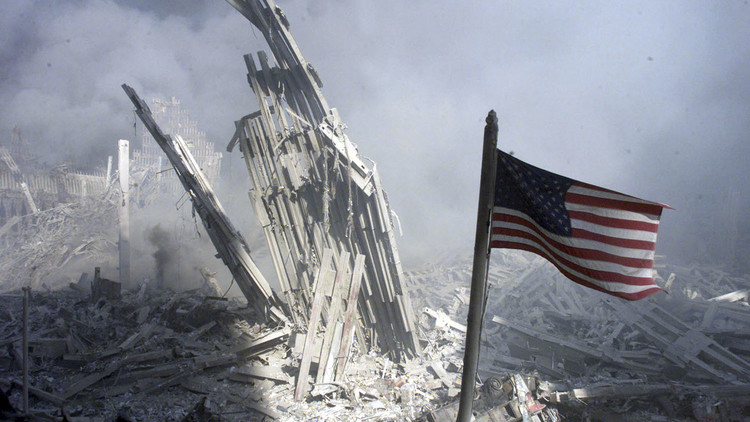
column 479, row 270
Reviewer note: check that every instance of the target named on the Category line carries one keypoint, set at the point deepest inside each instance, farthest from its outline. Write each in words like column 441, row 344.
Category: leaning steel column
column 479, row 270
column 123, row 166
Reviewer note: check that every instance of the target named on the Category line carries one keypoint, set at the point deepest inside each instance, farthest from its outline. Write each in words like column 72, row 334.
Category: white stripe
column 583, row 243
column 611, row 286
column 592, row 264
column 612, row 213
column 612, row 231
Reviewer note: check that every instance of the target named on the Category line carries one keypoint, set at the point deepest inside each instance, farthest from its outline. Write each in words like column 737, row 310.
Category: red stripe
column 595, row 274
column 575, row 278
column 617, row 223
column 571, row 250
column 616, row 204
column 616, row 241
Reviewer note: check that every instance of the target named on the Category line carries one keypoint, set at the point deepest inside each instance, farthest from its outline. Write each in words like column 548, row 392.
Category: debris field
column 344, row 333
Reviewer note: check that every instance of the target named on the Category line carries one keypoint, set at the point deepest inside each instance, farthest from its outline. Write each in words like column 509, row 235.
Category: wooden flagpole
column 479, row 269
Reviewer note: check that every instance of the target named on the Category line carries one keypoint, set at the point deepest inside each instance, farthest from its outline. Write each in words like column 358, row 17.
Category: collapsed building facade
column 312, row 191
column 41, row 208
column 26, row 186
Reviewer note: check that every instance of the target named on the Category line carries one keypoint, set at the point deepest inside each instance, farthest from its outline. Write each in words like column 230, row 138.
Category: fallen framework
column 311, row 191
column 228, row 242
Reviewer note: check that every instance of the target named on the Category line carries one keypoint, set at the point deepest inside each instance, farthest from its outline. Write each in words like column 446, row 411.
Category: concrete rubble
column 104, row 355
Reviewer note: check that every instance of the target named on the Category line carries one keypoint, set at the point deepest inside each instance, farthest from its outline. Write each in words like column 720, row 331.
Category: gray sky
column 648, row 98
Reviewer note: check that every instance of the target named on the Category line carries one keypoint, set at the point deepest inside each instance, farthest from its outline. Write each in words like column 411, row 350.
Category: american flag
column 596, row 237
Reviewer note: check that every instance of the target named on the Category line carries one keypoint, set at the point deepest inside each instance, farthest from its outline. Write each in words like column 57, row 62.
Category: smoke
column 164, row 254
column 63, row 66
column 643, row 97
column 169, row 246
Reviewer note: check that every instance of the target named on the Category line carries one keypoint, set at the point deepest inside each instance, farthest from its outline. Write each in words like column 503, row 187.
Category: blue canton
column 534, row 192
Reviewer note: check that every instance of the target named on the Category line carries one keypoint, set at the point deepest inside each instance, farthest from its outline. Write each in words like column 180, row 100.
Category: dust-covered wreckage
column 340, row 339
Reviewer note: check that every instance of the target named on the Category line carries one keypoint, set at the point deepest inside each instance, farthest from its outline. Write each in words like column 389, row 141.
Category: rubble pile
column 98, row 353
column 100, row 357
column 39, row 247
column 665, row 356
column 551, row 350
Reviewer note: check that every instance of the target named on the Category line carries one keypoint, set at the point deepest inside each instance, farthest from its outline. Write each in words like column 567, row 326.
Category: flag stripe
column 623, row 290
column 583, row 263
column 614, row 241
column 612, row 213
column 617, row 286
column 612, row 203
column 613, row 232
column 595, row 191
column 603, row 270
column 582, row 185
column 613, row 222
column 589, row 250
column 633, row 249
